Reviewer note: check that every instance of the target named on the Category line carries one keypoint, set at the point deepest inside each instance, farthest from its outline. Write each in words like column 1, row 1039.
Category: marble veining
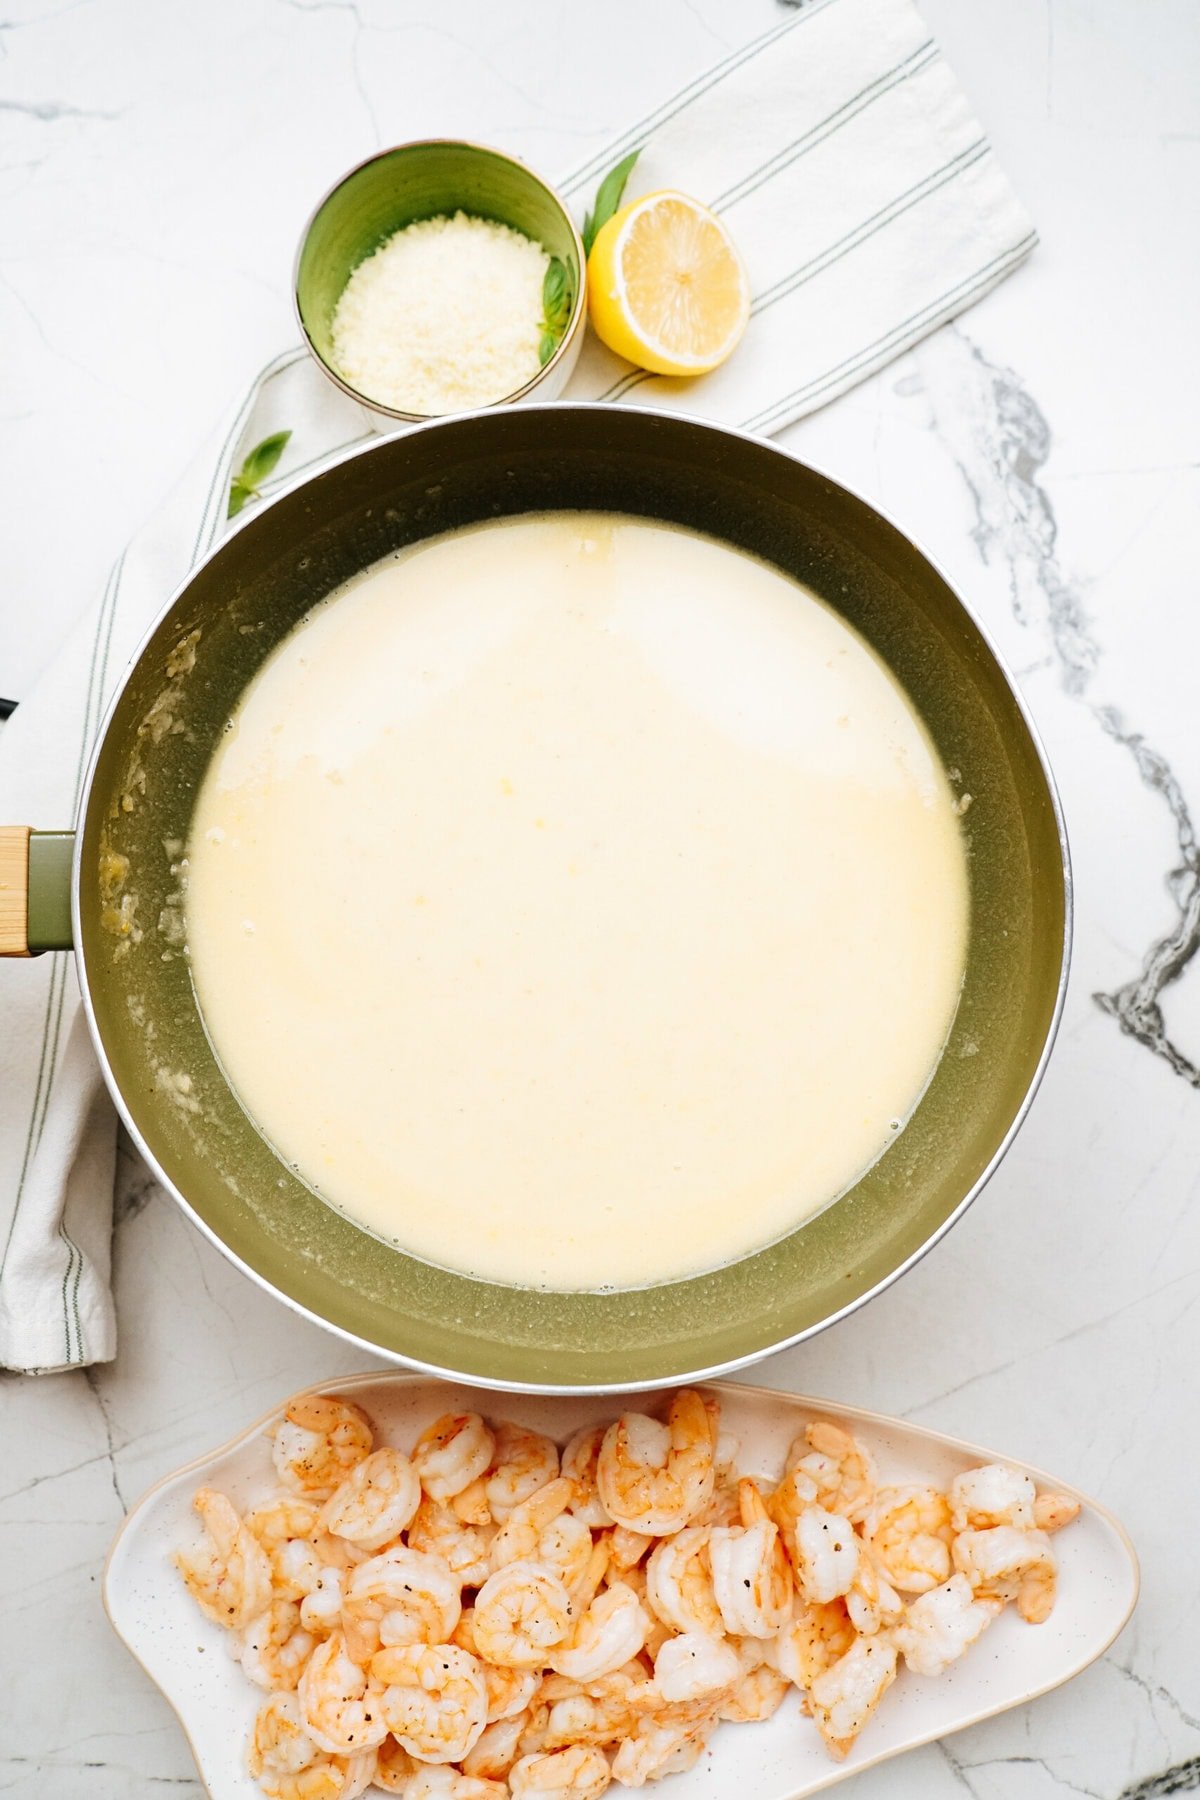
column 156, row 165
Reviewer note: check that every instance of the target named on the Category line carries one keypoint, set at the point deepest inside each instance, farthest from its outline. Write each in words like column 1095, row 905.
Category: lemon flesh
column 667, row 289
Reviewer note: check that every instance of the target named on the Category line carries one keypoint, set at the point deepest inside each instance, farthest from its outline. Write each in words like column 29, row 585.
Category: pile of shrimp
column 485, row 1615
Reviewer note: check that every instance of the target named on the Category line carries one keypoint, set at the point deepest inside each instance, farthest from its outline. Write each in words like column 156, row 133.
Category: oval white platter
column 782, row 1759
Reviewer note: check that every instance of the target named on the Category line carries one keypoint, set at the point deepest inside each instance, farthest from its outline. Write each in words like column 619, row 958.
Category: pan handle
column 35, row 890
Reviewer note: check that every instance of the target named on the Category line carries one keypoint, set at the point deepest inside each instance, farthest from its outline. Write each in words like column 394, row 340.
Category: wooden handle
column 14, row 890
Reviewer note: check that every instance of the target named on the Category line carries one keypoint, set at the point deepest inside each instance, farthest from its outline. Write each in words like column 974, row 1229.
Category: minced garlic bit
column 443, row 316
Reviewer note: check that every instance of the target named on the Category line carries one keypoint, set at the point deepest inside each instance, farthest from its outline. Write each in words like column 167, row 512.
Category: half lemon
column 667, row 289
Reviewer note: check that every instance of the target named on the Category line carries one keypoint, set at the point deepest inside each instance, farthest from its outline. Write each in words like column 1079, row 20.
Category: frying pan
column 121, row 878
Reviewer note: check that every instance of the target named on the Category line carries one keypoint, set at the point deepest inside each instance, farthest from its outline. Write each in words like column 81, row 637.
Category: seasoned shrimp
column 844, row 1697
column 541, row 1530
column 790, row 1501
column 872, row 1603
column 679, row 1586
column 1006, row 1564
column 522, row 1613
column 339, row 1702
column 494, row 1751
column 523, row 1462
column 321, row 1607
column 610, row 1631
column 812, row 1642
column 463, row 1548
column 407, row 1596
column 760, row 1690
column 278, row 1520
column 626, row 1548
column 509, row 1691
column 1052, row 1511
column 826, row 1552
column 579, row 1772
column 318, row 1441
column 275, row 1647
column 452, row 1453
column 579, row 1461
column 751, row 1575
column 394, row 1767
column 653, row 1750
column 288, row 1765
column 909, row 1532
column 991, row 1495
column 230, row 1579
column 655, row 1478
column 440, row 1783
column 843, row 1471
column 940, row 1625
column 695, row 1666
column 375, row 1502
column 434, row 1700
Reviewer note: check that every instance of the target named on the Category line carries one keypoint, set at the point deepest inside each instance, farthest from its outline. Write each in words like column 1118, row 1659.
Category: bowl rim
column 574, row 324
column 681, row 1378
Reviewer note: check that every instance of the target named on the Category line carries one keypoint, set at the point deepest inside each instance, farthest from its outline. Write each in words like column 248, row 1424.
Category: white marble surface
column 156, row 161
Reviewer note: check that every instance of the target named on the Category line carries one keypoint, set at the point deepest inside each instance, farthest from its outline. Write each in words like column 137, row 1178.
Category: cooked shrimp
column 695, row 1666
column 541, row 1530
column 463, row 1548
column 580, row 1772
column 509, row 1691
column 790, row 1500
column 441, row 1783
column 275, row 1647
column 321, row 1608
column 296, row 1569
column 471, row 1505
column 494, row 1751
column 844, row 1697
column 1052, row 1511
column 579, row 1461
column 826, row 1552
column 523, row 1462
column 610, row 1631
column 451, row 1453
column 406, row 1595
column 909, row 1532
column 812, row 1642
column 394, row 1767
column 655, row 1478
column 872, row 1603
column 654, row 1750
column 434, row 1700
column 278, row 1520
column 1005, row 1564
column 843, row 1471
column 522, row 1613
column 751, row 1575
column 760, row 1690
column 940, row 1625
column 626, row 1548
column 318, row 1441
column 288, row 1765
column 339, row 1702
column 679, row 1586
column 230, row 1578
column 991, row 1495
column 375, row 1502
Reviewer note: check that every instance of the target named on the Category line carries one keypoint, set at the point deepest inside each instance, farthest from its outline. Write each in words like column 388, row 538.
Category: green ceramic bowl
column 155, row 745
column 422, row 181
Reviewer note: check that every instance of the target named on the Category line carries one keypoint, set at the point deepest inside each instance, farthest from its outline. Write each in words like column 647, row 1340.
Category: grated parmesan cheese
column 445, row 315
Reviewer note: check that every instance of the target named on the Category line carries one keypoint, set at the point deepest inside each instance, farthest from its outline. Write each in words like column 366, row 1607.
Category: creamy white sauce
column 576, row 902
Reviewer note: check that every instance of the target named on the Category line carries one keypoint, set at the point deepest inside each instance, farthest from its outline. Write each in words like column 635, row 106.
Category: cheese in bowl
column 577, row 902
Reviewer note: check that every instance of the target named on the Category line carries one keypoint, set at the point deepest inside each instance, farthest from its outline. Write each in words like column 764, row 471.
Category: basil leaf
column 608, row 198
column 555, row 296
column 254, row 471
column 262, row 459
column 547, row 345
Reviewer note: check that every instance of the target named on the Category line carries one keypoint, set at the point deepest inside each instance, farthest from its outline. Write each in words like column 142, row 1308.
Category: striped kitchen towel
column 869, row 208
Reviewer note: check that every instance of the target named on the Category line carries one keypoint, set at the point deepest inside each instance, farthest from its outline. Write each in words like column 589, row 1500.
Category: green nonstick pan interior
column 175, row 704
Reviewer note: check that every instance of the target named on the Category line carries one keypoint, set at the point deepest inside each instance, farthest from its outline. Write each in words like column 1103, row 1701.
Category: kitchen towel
column 869, row 207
